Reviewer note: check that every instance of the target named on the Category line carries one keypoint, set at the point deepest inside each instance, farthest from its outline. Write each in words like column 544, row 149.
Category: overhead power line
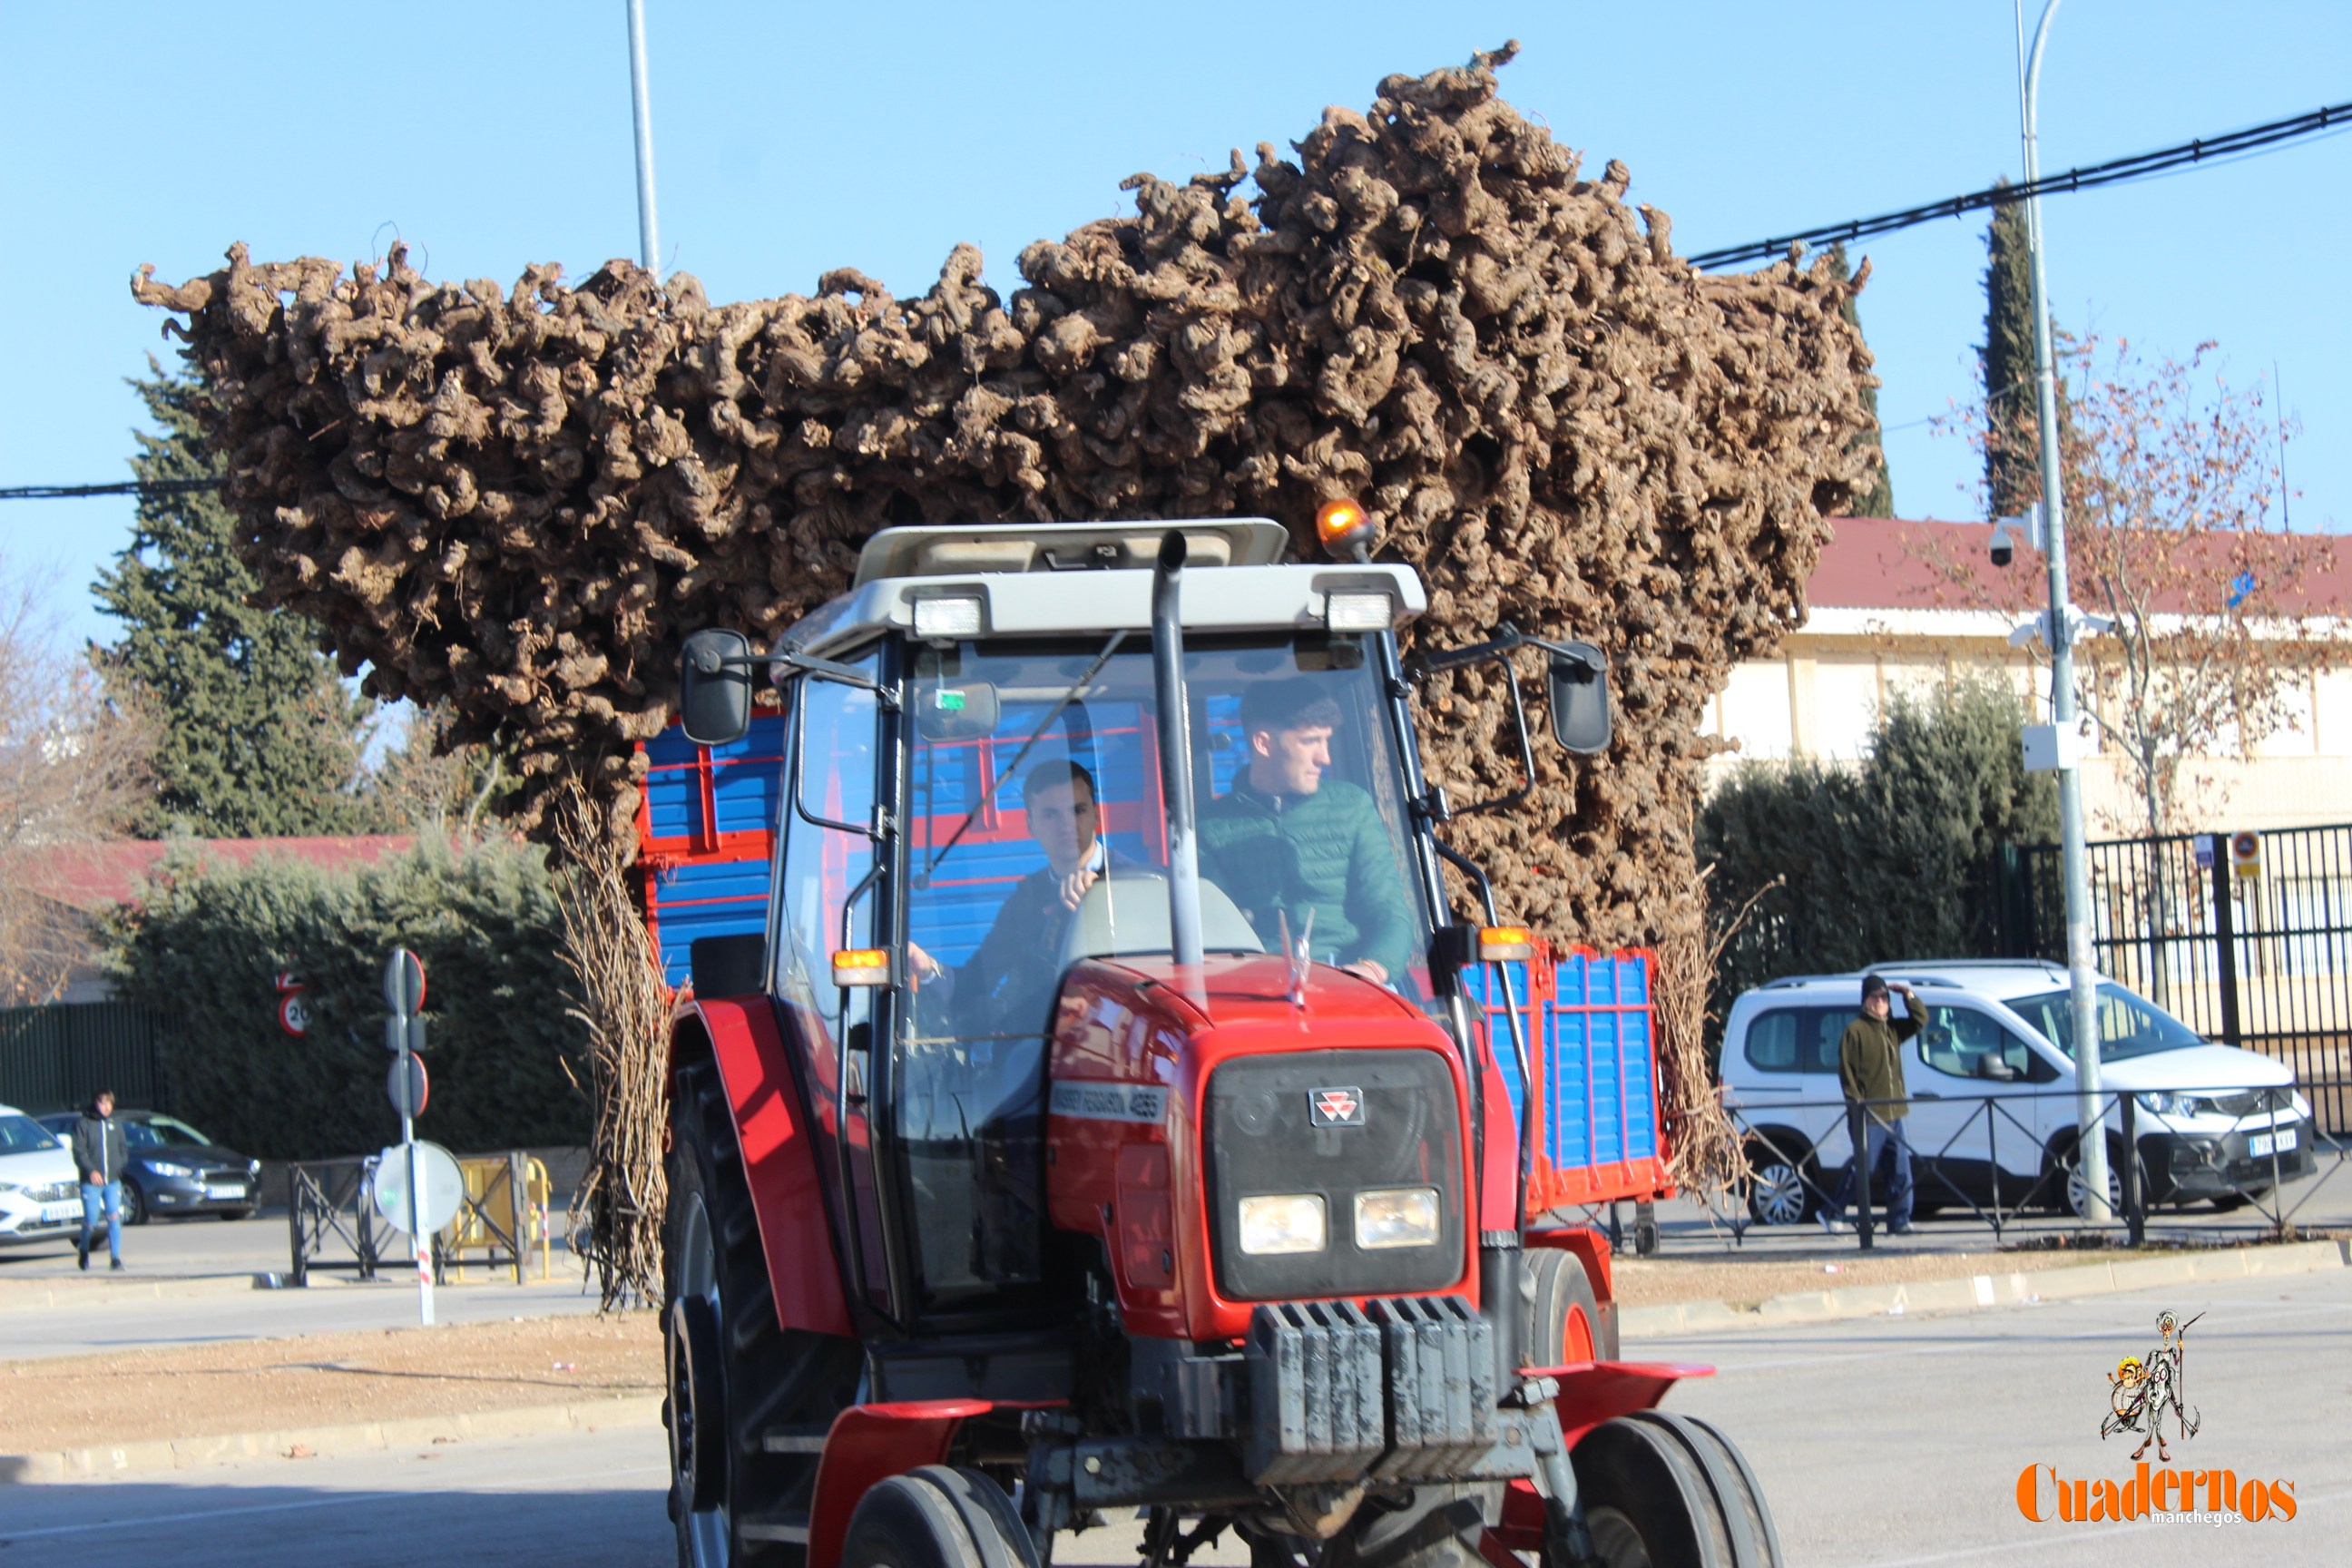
column 143, row 488
column 2120, row 171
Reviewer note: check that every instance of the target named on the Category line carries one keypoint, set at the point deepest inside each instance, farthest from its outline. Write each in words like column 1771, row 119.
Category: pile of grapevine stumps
column 514, row 504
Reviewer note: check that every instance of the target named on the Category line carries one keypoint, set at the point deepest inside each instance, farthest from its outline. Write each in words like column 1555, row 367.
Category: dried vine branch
column 616, row 1214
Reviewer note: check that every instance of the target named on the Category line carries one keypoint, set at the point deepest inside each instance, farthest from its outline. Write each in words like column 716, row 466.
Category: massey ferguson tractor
column 1102, row 1128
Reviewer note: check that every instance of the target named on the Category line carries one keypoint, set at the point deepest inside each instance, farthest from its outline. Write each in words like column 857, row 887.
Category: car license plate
column 218, row 1193
column 58, row 1213
column 2260, row 1144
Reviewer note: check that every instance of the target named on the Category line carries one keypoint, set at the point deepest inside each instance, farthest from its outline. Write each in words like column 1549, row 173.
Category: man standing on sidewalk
column 99, row 1153
column 1870, row 1069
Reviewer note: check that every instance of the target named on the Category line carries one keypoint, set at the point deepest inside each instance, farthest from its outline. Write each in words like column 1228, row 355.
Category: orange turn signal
column 1498, row 944
column 1339, row 524
column 862, row 966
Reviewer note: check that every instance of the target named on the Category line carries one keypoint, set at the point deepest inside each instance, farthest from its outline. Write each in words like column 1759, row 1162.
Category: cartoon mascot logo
column 2139, row 1392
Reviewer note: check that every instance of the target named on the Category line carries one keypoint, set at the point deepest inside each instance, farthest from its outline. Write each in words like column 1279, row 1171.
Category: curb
column 32, row 1295
column 190, row 1453
column 1976, row 1292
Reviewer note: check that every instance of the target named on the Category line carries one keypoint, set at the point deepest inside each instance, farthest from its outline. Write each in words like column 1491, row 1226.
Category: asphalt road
column 1891, row 1441
column 107, row 1313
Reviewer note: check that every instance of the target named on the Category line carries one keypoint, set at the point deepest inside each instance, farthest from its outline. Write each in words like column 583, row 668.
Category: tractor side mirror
column 966, row 713
column 714, row 685
column 1578, row 684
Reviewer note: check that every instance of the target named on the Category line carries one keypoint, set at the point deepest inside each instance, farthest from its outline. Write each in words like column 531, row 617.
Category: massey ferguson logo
column 1336, row 1107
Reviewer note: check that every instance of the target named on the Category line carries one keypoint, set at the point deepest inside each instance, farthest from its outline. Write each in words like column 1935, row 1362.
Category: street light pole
column 2082, row 982
column 641, row 97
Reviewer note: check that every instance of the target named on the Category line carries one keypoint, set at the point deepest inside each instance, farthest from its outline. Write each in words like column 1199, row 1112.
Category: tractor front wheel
column 736, row 1379
column 937, row 1516
column 1439, row 1525
column 1658, row 1489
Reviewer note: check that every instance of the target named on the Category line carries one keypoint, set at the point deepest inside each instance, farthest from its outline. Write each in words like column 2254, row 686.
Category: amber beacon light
column 1344, row 528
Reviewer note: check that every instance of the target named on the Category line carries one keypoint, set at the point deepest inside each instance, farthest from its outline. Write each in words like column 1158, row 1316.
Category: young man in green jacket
column 1285, row 842
column 1870, row 1069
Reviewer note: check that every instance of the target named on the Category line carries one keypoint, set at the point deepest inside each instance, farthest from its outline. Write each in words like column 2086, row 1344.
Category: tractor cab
column 982, row 745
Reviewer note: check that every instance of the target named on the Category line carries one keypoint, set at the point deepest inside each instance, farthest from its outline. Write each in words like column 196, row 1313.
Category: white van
column 1991, row 1077
column 40, row 1192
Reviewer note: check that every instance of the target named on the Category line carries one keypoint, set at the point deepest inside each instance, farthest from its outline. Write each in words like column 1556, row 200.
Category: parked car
column 174, row 1169
column 39, row 1197
column 1989, row 1076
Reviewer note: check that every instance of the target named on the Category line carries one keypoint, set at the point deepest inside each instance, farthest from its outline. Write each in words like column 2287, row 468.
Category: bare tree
column 2174, row 533
column 73, row 771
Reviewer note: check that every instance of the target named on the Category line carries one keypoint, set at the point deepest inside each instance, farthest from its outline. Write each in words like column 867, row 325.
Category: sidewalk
column 2049, row 1277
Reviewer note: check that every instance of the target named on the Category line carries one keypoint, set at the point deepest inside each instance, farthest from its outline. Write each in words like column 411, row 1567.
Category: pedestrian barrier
column 328, row 1202
column 1987, row 1160
column 333, row 1225
column 504, row 1212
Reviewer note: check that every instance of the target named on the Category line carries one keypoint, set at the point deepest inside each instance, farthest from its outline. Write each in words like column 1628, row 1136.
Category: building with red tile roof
column 1902, row 603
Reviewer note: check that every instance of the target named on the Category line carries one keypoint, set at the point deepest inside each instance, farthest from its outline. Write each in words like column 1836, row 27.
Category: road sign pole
column 404, row 992
column 416, row 1230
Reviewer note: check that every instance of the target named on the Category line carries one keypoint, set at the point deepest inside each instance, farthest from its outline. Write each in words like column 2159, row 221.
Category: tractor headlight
column 1287, row 1222
column 948, row 616
column 1402, row 1217
column 1359, row 612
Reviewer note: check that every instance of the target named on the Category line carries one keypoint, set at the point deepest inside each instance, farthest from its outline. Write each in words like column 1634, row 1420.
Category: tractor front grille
column 1261, row 1136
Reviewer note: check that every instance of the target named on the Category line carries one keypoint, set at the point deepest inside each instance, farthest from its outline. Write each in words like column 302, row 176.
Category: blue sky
column 792, row 139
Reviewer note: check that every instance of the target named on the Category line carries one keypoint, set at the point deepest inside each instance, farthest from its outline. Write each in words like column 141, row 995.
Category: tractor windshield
column 1036, row 835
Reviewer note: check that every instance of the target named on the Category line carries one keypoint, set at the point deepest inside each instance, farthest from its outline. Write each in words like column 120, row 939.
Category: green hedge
column 1893, row 859
column 203, row 943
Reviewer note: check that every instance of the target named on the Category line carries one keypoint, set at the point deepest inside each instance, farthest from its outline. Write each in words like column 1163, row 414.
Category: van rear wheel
column 1777, row 1173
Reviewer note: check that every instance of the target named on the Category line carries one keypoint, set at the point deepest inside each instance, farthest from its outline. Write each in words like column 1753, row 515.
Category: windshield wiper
column 1052, row 713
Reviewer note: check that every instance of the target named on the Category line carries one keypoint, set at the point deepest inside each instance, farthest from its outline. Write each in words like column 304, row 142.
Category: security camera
column 2004, row 547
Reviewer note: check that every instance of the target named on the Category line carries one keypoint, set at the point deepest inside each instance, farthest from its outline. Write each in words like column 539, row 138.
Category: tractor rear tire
column 1660, row 1491
column 1562, row 1323
column 937, row 1516
column 734, row 1375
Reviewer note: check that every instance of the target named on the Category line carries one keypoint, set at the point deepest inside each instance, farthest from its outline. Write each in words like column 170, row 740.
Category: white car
column 1990, row 1079
column 40, row 1192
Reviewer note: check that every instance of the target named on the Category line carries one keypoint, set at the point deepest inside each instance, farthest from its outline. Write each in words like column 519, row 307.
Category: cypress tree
column 256, row 735
column 1878, row 500
column 2013, row 461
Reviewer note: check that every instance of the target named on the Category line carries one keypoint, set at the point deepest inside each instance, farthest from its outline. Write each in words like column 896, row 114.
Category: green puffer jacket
column 1327, row 852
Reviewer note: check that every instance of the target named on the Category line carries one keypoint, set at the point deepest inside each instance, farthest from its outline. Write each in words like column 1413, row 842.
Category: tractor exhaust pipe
column 1176, row 762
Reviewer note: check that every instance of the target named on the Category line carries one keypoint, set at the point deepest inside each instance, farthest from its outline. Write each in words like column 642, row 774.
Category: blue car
column 174, row 1169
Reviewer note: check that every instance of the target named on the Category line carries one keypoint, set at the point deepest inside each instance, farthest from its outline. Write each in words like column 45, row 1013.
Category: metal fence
column 1993, row 1160
column 2260, row 959
column 54, row 1058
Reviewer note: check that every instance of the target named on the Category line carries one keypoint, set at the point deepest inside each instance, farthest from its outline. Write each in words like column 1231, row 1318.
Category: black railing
column 1992, row 1162
column 2259, row 960
column 333, row 1227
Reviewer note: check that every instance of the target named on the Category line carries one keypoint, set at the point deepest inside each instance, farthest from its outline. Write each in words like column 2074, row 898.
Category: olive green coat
column 1870, row 1062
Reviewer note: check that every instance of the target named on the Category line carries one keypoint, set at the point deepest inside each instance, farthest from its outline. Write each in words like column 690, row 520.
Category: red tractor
column 1099, row 1124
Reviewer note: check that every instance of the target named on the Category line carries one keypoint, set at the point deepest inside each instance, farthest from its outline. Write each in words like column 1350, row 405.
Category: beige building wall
column 1823, row 696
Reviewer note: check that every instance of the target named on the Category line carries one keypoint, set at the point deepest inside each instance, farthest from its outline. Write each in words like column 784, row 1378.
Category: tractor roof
column 1075, row 578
